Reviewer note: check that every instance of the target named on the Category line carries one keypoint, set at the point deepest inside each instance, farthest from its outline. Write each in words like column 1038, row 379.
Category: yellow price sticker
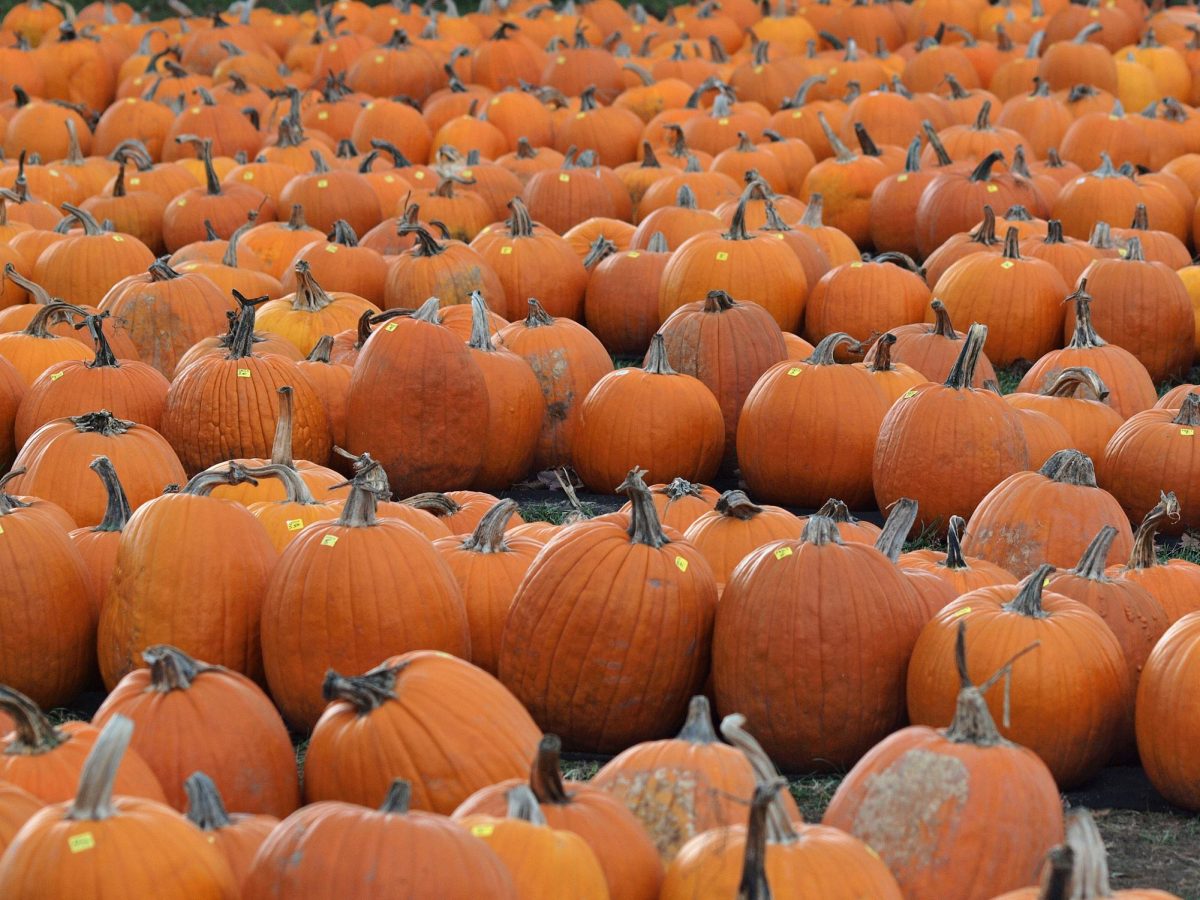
column 794, row 371
column 722, row 256
column 118, row 239
column 723, row 121
column 561, row 60
column 467, row 173
column 379, row 58
column 902, row 178
column 56, row 376
column 77, row 843
column 420, row 176
column 482, row 830
column 329, row 540
column 911, row 392
column 633, row 254
column 758, row 70
column 1007, row 264
column 391, row 326
column 681, row 564
column 322, row 182
column 295, row 524
column 323, row 114
column 856, row 265
column 1187, row 432
column 332, row 248
column 247, row 176
column 243, row 373
column 564, row 177
column 506, row 251
column 959, row 613
column 783, row 552
column 580, row 115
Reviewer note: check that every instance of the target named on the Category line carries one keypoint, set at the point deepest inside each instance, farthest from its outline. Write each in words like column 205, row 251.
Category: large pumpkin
column 582, row 586
column 1167, row 729
column 726, row 534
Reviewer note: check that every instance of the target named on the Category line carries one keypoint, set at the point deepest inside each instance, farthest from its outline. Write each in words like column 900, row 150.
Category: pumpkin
column 735, row 527
column 186, row 866
column 772, row 855
column 865, row 297
column 812, row 395
column 1075, row 398
column 936, row 777
column 676, row 222
column 275, row 244
column 330, row 381
column 979, row 442
column 130, row 389
column 583, row 571
column 420, row 449
column 1130, row 385
column 1151, row 450
column 1173, row 582
column 489, row 566
column 817, row 580
column 83, row 265
column 237, row 835
column 17, row 806
column 544, row 862
column 1047, row 713
column 366, row 736
column 223, row 205
column 981, row 239
column 1067, row 254
column 1069, row 506
column 345, row 849
column 171, row 544
column 248, row 382
column 416, row 602
column 98, row 544
column 894, row 379
column 625, row 851
column 961, row 572
column 55, row 456
column 1164, row 728
column 932, row 350
column 687, row 439
column 620, row 303
column 329, row 196
column 311, row 311
column 46, row 760
column 341, row 264
column 1019, row 299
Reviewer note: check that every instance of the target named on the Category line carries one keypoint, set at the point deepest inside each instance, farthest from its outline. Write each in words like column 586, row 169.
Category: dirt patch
column 1152, row 850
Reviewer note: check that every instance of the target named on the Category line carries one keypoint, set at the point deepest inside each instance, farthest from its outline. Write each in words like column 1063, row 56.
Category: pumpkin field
column 472, row 453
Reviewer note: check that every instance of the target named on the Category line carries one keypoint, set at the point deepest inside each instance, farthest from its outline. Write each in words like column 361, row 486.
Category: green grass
column 553, row 512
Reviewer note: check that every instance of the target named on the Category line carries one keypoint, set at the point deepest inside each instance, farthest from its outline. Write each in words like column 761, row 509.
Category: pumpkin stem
column 736, row 505
column 433, row 503
column 1012, row 241
column 1090, row 877
column 202, row 483
column 481, row 334
column 600, row 250
column 1189, row 410
column 718, row 301
column 656, row 362
column 545, row 778
column 367, row 487
column 205, row 809
column 519, row 222
column 896, row 527
column 883, row 353
column 644, row 526
column 753, row 884
column 101, row 422
column 1085, row 337
column 295, row 488
column 942, row 326
column 779, row 826
column 680, row 488
column 364, row 692
column 104, row 358
column 488, row 536
column 343, row 234
column 35, row 733
column 117, row 510
column 903, row 260
column 309, row 296
column 426, row 244
column 841, row 151
column 1091, row 564
column 963, row 372
column 87, row 221
column 93, row 799
column 823, row 353
column 171, row 669
column 1101, row 237
column 1028, row 601
column 1086, row 32
column 537, row 317
column 983, row 171
column 954, row 556
column 1077, row 382
column 812, row 217
column 698, row 728
column 820, row 530
column 54, row 311
column 973, row 722
column 241, row 335
column 523, row 806
column 939, row 149
column 658, row 243
column 1144, row 556
column 1069, row 467
column 865, row 142
column 1133, row 250
column 398, row 798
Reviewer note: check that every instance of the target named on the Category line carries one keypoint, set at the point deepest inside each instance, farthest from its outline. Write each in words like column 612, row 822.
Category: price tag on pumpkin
column 482, row 830
column 959, row 613
column 564, row 177
column 1187, row 432
column 391, row 326
column 794, row 371
column 295, row 524
column 243, row 373
column 911, row 392
column 329, row 540
column 56, row 376
column 783, row 552
column 722, row 256
column 681, row 564
column 77, row 843
column 506, row 251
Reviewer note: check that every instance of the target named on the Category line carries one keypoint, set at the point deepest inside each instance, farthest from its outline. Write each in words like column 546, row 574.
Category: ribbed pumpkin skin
column 221, row 724
column 17, row 806
column 1167, row 724
column 1065, row 696
column 443, row 710
column 47, row 646
column 165, row 318
column 786, row 687
column 726, row 540
column 211, row 552
column 864, row 298
column 332, row 849
column 594, row 601
column 1150, row 452
column 568, row 360
column 727, row 345
column 807, row 433
column 12, row 395
column 239, row 841
column 251, row 407
column 952, row 820
column 427, row 439
column 516, row 410
column 397, row 582
column 824, row 863
column 667, row 422
column 56, row 457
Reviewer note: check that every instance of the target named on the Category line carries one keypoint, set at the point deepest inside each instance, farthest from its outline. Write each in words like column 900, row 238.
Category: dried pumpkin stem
column 1091, row 564
column 545, row 778
column 364, row 692
column 35, row 733
column 117, row 510
column 205, row 809
column 963, row 371
column 1144, row 555
column 644, row 526
column 94, row 799
column 171, row 669
column 736, row 505
column 1028, row 601
column 896, row 527
column 488, row 536
column 523, row 806
column 698, row 728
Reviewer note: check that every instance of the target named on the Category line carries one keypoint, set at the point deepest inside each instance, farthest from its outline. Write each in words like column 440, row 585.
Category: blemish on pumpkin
column 907, row 802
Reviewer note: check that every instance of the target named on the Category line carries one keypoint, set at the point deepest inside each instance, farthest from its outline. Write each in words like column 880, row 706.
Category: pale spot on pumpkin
column 907, row 802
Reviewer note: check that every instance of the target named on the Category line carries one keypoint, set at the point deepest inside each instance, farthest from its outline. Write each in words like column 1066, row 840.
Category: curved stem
column 117, row 509
column 963, row 372
column 171, row 669
column 545, row 778
column 309, row 295
column 824, row 353
column 35, row 733
column 1144, row 555
column 896, row 527
column 206, row 808
column 779, row 826
column 202, row 484
column 93, row 800
column 1028, row 601
column 736, row 505
column 644, row 526
column 1091, row 564
column 364, row 692
column 488, row 536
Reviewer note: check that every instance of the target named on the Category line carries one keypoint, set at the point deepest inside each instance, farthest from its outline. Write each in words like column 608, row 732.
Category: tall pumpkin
column 654, row 417
column 95, row 845
column 1074, row 731
column 401, row 587
column 579, row 588
column 801, row 409
column 728, row 345
column 945, row 446
column 930, row 801
column 428, row 440
column 413, row 717
column 188, row 545
column 799, row 589
column 192, row 716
